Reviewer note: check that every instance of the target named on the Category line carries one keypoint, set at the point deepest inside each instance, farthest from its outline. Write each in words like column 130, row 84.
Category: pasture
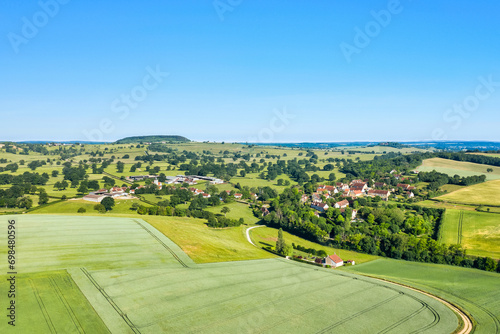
column 486, row 193
column 478, row 232
column 137, row 280
column 474, row 290
column 461, row 168
column 267, row 236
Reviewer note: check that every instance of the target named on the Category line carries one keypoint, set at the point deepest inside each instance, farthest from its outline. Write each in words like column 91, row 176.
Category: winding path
column 467, row 328
column 248, row 234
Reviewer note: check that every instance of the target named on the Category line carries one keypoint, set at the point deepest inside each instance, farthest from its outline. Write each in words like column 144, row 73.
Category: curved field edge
column 471, row 290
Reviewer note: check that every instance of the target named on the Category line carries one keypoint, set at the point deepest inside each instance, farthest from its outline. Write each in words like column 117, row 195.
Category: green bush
column 82, row 210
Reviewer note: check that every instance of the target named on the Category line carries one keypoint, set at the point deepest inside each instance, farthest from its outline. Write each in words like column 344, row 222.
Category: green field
column 475, row 291
column 478, row 232
column 238, row 210
column 486, row 193
column 461, row 168
column 204, row 244
column 136, row 279
column 267, row 236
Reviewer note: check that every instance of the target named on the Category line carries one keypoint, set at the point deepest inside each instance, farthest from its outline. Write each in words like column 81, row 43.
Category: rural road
column 248, row 234
column 467, row 322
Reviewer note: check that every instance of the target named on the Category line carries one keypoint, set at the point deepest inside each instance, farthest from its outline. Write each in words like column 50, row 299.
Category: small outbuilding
column 334, row 261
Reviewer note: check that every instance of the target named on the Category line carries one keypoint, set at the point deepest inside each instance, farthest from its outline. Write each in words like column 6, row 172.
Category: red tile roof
column 335, row 258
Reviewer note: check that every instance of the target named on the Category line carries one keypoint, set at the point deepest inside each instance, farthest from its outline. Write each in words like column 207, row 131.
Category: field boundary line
column 468, row 325
column 111, row 301
column 163, row 244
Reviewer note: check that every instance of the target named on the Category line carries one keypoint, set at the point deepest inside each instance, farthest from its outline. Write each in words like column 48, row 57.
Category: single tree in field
column 243, row 173
column 490, row 170
column 108, row 203
column 58, row 185
column 280, row 243
column 225, row 210
column 64, row 184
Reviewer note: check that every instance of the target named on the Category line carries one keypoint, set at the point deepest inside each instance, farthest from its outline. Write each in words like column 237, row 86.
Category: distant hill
column 152, row 139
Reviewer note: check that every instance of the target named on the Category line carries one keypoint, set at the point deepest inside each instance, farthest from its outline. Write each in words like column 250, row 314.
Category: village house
column 410, row 194
column 384, row 194
column 342, row 204
column 334, row 261
column 379, row 185
column 403, row 185
column 304, row 198
column 238, row 196
column 342, row 186
column 205, row 195
column 321, row 207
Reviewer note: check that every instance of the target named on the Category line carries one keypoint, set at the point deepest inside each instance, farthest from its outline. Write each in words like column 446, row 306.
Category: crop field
column 474, row 290
column 486, row 193
column 461, row 168
column 135, row 279
column 51, row 302
column 478, row 232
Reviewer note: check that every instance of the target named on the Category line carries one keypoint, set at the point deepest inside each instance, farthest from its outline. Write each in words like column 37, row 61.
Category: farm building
column 334, row 261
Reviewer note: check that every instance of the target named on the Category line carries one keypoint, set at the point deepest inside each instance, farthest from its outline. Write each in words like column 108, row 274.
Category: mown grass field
column 478, row 232
column 238, row 210
column 474, row 290
column 267, row 236
column 487, row 193
column 122, row 206
column 136, row 279
column 462, row 168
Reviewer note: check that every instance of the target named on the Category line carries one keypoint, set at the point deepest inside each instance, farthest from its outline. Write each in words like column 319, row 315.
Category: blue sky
column 419, row 70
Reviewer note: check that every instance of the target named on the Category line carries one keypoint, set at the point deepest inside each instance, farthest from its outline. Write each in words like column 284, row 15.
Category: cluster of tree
column 10, row 167
column 25, row 178
column 475, row 158
column 219, row 221
column 288, row 213
column 312, row 251
column 437, row 179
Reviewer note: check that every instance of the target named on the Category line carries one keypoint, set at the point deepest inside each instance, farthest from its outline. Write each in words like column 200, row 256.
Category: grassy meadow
column 267, row 236
column 478, row 232
column 461, row 168
column 487, row 193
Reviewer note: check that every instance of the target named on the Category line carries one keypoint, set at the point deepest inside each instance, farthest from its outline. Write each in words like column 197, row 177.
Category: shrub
column 82, row 210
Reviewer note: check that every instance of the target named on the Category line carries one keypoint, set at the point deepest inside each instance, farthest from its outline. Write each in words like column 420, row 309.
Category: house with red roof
column 342, row 204
column 334, row 261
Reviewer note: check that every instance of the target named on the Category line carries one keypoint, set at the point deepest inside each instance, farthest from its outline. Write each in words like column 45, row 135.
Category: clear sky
column 250, row 70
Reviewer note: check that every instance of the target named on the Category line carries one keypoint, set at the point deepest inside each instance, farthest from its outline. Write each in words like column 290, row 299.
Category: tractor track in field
column 41, row 305
column 111, row 302
column 467, row 327
column 460, row 227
